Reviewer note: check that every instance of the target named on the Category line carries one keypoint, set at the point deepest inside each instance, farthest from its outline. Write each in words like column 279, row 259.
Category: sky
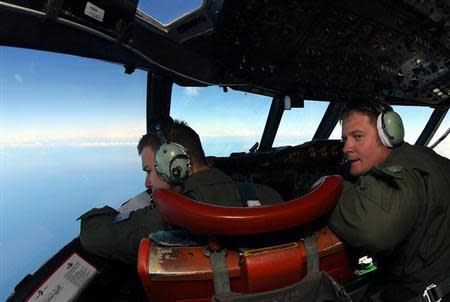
column 94, row 103
column 69, row 127
column 167, row 11
column 52, row 99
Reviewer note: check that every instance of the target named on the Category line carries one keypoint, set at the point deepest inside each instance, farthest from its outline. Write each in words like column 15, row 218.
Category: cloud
column 191, row 91
column 104, row 144
column 81, row 144
column 443, row 149
column 49, row 139
column 18, row 78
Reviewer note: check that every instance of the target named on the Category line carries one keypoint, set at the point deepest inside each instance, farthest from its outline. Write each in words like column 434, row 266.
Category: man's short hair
column 370, row 108
column 148, row 140
column 179, row 133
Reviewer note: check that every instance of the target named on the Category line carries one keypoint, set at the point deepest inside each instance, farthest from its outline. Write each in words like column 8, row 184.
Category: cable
column 440, row 139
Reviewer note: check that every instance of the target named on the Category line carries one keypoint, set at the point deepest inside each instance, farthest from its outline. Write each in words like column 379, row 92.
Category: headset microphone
column 344, row 167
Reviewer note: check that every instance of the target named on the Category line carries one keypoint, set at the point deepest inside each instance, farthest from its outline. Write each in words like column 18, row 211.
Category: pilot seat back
column 185, row 273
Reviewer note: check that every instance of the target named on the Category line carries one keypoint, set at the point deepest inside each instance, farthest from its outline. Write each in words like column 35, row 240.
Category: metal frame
column 432, row 125
column 272, row 123
column 149, row 50
column 159, row 96
column 329, row 120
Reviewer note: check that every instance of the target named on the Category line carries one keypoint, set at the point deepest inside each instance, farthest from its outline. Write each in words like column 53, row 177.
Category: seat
column 176, row 273
column 202, row 218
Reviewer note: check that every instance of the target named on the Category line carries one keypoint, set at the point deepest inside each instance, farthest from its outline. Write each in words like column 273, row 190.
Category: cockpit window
column 69, row 128
column 299, row 125
column 443, row 148
column 414, row 120
column 226, row 122
column 337, row 132
column 164, row 12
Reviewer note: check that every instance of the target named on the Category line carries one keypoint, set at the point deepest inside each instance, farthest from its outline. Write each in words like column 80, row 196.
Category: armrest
column 202, row 218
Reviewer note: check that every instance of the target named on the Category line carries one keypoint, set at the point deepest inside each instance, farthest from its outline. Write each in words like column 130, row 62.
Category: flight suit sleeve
column 100, row 235
column 378, row 211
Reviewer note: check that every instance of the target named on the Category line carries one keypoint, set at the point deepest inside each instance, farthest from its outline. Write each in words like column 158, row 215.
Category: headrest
column 203, row 218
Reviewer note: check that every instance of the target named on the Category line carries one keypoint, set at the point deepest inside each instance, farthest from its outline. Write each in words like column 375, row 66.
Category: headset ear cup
column 390, row 129
column 160, row 165
column 381, row 133
column 172, row 163
column 180, row 167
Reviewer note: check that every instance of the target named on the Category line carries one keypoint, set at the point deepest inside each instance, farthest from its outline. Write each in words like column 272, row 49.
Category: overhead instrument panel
column 337, row 50
column 309, row 49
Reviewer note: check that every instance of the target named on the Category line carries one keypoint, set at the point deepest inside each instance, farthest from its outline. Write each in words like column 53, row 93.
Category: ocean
column 45, row 190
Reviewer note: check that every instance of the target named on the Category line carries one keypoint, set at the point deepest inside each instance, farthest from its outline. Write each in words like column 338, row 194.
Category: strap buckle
column 430, row 294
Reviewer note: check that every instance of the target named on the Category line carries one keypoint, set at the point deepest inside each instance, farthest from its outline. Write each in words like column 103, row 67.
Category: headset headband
column 161, row 129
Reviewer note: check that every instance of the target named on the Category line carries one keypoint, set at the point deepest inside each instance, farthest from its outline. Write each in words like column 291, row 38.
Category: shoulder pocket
column 389, row 172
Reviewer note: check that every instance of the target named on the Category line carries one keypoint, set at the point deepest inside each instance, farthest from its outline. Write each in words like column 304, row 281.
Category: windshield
column 222, row 132
column 414, row 120
column 69, row 131
column 69, row 128
column 167, row 11
column 443, row 148
column 299, row 125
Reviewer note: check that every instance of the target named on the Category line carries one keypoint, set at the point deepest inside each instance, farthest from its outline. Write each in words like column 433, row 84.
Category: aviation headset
column 389, row 126
column 172, row 161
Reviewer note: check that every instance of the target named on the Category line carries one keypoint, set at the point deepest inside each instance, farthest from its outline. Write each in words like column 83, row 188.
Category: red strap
column 203, row 218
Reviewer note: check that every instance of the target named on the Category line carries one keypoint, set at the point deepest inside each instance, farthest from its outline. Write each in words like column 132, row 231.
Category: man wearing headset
column 396, row 203
column 178, row 162
column 173, row 158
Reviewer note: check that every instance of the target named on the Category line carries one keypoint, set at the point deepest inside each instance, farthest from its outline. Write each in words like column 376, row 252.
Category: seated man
column 396, row 204
column 173, row 158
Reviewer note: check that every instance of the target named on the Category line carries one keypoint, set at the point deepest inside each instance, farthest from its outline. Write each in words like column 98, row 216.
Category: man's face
column 362, row 147
column 153, row 181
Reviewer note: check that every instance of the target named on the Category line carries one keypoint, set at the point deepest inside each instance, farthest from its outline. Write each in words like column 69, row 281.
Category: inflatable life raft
column 184, row 273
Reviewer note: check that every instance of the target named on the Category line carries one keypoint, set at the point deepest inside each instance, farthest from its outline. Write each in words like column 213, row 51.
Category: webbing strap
column 246, row 193
column 434, row 292
column 220, row 272
column 312, row 254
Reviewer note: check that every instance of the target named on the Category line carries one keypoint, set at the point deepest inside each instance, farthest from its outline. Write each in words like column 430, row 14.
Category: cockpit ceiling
column 309, row 49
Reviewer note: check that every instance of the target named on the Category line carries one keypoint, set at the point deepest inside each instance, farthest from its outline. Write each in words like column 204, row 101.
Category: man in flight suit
column 396, row 204
column 103, row 235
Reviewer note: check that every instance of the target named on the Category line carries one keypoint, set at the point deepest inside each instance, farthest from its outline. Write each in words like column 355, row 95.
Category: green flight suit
column 120, row 241
column 401, row 210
